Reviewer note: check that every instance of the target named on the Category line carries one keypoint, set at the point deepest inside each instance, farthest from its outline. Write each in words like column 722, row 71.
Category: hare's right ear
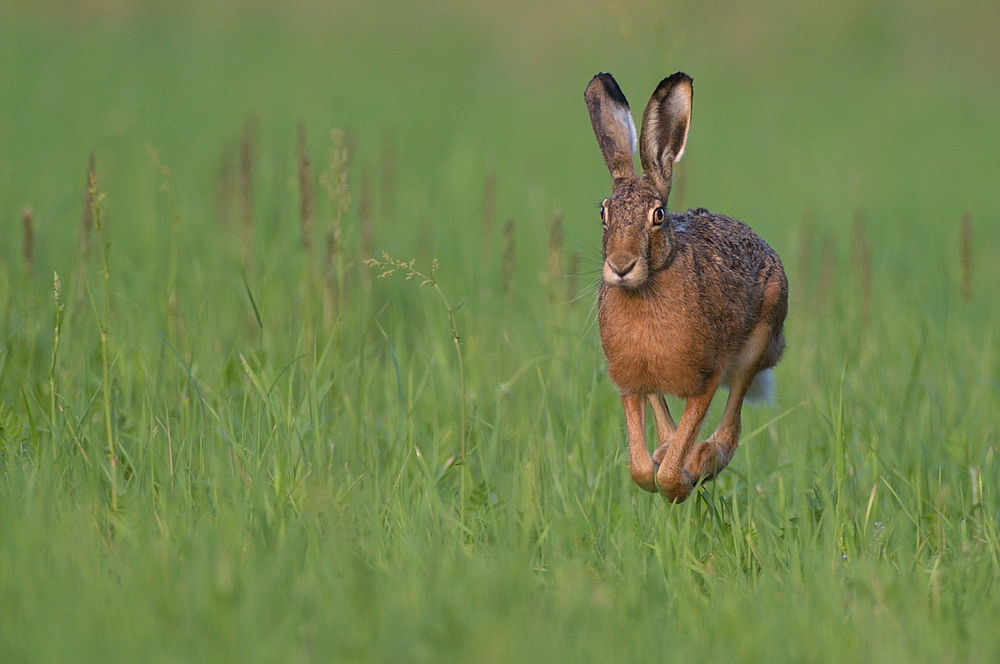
column 613, row 126
column 665, row 129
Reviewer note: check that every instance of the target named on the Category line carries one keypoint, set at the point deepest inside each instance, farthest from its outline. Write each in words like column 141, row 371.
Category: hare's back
column 727, row 250
column 731, row 268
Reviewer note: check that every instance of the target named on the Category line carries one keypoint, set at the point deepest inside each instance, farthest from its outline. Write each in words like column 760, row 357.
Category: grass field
column 225, row 438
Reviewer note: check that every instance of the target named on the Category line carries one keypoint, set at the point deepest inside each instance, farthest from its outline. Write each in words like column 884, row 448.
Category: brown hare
column 688, row 301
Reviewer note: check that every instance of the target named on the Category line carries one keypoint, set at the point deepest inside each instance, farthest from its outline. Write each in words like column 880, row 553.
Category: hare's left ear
column 613, row 126
column 665, row 129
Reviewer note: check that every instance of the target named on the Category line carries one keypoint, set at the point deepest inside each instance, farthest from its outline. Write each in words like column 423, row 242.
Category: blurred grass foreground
column 223, row 437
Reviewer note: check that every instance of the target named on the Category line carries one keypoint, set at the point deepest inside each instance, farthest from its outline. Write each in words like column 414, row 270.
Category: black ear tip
column 674, row 79
column 611, row 88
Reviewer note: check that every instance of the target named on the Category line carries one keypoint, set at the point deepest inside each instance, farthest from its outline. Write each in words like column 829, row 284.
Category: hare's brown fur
column 688, row 301
column 696, row 311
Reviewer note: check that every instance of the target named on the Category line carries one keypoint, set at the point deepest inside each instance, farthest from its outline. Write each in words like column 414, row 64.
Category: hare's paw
column 702, row 461
column 643, row 473
column 707, row 459
column 676, row 486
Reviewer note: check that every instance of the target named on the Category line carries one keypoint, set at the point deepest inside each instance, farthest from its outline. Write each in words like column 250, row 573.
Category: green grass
column 288, row 482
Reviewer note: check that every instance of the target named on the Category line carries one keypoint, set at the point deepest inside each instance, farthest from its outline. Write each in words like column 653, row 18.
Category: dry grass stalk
column 96, row 198
column 248, row 149
column 173, row 303
column 28, row 247
column 330, row 280
column 966, row 251
column 508, row 259
column 573, row 283
column 388, row 178
column 555, row 258
column 335, row 181
column 305, row 192
column 389, row 266
column 76, row 291
column 861, row 258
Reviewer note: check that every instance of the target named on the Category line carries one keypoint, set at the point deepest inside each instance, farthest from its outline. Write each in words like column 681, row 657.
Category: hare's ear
column 665, row 129
column 613, row 125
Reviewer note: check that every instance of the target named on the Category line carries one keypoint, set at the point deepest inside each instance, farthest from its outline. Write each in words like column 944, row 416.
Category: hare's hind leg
column 708, row 458
column 640, row 464
column 665, row 427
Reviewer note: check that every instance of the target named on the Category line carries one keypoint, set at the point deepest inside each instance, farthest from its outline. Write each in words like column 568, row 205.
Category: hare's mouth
column 625, row 271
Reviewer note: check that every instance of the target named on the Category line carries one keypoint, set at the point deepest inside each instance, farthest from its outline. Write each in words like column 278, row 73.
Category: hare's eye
column 604, row 214
column 658, row 216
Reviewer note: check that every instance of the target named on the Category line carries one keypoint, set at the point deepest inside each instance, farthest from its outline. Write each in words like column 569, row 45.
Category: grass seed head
column 335, row 180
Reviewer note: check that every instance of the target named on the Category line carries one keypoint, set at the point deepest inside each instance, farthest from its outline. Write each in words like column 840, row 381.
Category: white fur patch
column 761, row 390
column 683, row 145
column 624, row 116
column 679, row 105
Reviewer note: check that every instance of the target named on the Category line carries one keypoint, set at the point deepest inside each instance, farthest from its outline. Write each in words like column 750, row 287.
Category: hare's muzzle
column 624, row 269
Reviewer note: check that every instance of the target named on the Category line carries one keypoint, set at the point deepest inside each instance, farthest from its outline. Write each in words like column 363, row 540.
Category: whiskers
column 591, row 289
column 588, row 289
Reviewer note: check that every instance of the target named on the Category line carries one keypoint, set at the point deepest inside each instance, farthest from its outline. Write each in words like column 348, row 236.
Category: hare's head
column 638, row 239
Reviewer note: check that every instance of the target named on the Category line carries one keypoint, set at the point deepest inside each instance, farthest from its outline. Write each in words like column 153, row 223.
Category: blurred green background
column 284, row 480
column 800, row 109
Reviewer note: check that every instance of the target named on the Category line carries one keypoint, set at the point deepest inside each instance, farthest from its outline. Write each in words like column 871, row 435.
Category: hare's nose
column 622, row 264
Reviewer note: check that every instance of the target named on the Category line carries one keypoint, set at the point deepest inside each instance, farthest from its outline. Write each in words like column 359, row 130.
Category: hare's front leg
column 672, row 477
column 665, row 427
column 640, row 464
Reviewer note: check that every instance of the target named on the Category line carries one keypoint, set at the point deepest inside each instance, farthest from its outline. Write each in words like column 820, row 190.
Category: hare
column 688, row 302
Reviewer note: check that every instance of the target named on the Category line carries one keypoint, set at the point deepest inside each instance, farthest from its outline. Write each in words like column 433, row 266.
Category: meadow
column 225, row 436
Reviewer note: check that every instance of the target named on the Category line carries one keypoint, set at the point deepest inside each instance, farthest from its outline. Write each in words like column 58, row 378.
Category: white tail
column 761, row 390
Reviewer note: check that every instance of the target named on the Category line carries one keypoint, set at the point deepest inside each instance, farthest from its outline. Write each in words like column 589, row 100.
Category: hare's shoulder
column 721, row 240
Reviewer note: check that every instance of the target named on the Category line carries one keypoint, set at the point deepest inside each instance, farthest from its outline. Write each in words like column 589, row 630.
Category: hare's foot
column 708, row 458
column 660, row 452
column 675, row 486
column 643, row 473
